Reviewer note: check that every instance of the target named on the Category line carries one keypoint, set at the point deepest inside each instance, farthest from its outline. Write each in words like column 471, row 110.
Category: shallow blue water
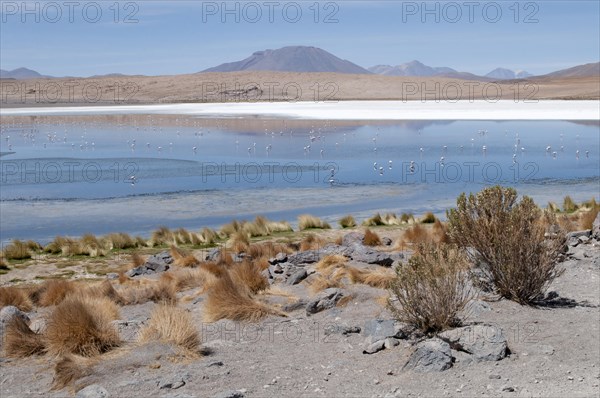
column 104, row 171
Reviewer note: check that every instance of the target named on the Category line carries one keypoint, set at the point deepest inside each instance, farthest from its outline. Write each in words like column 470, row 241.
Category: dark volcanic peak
column 291, row 59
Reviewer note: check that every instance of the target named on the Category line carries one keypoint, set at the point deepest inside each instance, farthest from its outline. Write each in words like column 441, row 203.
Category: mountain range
column 305, row 59
column 292, row 59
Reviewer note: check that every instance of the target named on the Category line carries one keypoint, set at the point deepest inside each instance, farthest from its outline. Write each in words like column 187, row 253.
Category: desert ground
column 284, row 86
column 316, row 324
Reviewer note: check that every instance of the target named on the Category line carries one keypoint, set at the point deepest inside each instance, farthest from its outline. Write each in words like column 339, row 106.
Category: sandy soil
column 555, row 351
column 282, row 86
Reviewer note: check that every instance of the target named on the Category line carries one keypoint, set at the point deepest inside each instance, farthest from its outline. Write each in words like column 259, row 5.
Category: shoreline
column 374, row 110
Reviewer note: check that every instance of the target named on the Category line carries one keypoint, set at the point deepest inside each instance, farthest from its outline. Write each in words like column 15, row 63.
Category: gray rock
column 391, row 342
column 576, row 234
column 172, row 385
column 6, row 315
column 432, row 355
column 213, row 254
column 363, row 254
column 483, row 342
column 297, row 277
column 112, row 276
column 215, row 363
column 305, row 257
column 375, row 347
column 508, row 389
column 9, row 312
column 340, row 329
column 157, row 263
column 93, row 391
column 230, row 394
column 379, row 329
column 38, row 325
column 328, row 298
column 352, row 238
column 386, row 241
column 279, row 258
column 294, row 306
column 573, row 242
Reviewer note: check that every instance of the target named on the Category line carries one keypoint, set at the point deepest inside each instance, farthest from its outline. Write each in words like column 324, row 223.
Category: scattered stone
column 230, row 394
column 38, row 325
column 352, row 238
column 494, row 377
column 279, row 258
column 112, row 276
column 386, row 241
column 391, row 342
column 375, row 347
column 295, row 306
column 214, row 363
column 172, row 385
column 341, row 329
column 379, row 329
column 297, row 277
column 577, row 234
column 508, row 389
column 483, row 342
column 157, row 263
column 364, row 254
column 305, row 257
column 328, row 298
column 93, row 391
column 6, row 315
column 432, row 355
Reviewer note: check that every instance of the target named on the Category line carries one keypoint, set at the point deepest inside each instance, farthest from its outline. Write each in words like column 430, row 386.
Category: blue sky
column 188, row 36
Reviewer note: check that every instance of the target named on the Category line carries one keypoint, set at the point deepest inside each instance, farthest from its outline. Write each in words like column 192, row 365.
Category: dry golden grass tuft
column 120, row 241
column 428, row 218
column 209, row 236
column 17, row 250
column 103, row 289
column 415, row 234
column 69, row 369
column 15, row 296
column 53, row 292
column 569, row 206
column 347, row 222
column 329, row 263
column 181, row 258
column 306, row 221
column 161, row 291
column 374, row 221
column 379, row 278
column 371, row 238
column 190, row 278
column 248, row 274
column 267, row 250
column 320, row 282
column 439, row 232
column 172, row 325
column 81, row 327
column 311, row 242
column 238, row 242
column 20, row 341
column 161, row 237
column 586, row 218
column 227, row 300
